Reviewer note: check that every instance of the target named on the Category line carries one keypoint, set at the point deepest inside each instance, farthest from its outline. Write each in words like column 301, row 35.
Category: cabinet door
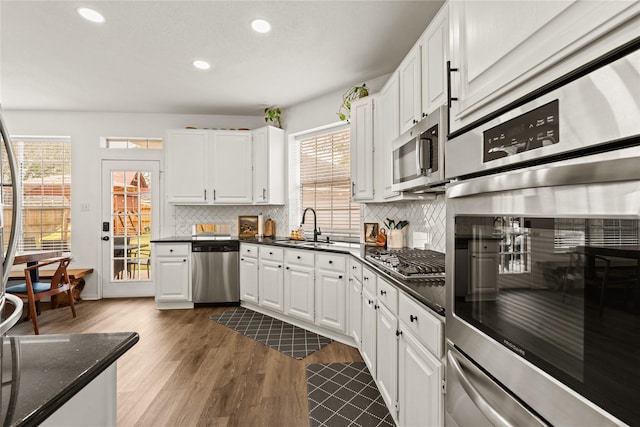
column 434, row 47
column 299, row 298
column 368, row 348
column 249, row 279
column 231, row 169
column 355, row 312
column 186, row 159
column 387, row 356
column 389, row 118
column 505, row 50
column 268, row 166
column 362, row 149
column 331, row 294
column 409, row 74
column 271, row 284
column 172, row 279
column 420, row 378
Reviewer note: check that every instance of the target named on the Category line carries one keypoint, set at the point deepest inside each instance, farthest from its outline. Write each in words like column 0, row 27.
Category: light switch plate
column 84, row 207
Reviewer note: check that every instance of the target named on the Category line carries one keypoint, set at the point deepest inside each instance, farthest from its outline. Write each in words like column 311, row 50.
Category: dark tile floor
column 344, row 394
column 288, row 339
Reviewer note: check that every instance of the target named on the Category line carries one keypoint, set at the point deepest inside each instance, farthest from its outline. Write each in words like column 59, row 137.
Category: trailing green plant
column 356, row 92
column 272, row 114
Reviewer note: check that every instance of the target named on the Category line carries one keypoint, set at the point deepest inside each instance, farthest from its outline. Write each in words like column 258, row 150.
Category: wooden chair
column 33, row 292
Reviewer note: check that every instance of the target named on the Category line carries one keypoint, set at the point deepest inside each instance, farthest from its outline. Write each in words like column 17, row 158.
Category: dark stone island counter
column 41, row 373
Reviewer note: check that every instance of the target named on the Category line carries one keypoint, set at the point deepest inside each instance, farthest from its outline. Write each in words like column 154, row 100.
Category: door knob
column 105, row 238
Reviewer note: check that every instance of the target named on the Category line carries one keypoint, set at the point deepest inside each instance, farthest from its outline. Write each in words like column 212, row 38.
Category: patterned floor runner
column 288, row 339
column 344, row 394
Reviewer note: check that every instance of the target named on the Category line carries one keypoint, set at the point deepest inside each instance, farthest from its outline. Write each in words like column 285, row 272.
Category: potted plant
column 356, row 92
column 272, row 114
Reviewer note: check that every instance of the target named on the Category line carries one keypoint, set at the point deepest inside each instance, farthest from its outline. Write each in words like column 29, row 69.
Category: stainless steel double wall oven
column 543, row 256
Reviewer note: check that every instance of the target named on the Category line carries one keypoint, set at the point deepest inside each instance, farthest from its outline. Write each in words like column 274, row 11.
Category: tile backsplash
column 423, row 216
column 186, row 216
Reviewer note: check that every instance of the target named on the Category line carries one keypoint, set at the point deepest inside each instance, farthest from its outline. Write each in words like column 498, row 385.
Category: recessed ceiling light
column 260, row 26
column 201, row 65
column 90, row 15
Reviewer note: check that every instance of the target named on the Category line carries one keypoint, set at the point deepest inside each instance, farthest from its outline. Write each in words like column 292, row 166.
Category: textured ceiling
column 139, row 60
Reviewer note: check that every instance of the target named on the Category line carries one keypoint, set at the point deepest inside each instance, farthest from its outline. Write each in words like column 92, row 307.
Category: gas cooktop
column 420, row 270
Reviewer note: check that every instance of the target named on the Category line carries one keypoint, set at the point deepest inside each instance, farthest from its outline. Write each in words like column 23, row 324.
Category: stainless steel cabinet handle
column 264, row 194
column 205, row 194
column 214, row 194
column 485, row 407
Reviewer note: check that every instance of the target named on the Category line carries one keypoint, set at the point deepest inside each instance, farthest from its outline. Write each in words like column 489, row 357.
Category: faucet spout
column 316, row 230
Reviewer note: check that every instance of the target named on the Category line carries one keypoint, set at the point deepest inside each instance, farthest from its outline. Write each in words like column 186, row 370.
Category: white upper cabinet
column 388, row 117
column 409, row 75
column 504, row 50
column 186, row 159
column 226, row 167
column 434, row 54
column 362, row 149
column 268, row 166
column 231, row 174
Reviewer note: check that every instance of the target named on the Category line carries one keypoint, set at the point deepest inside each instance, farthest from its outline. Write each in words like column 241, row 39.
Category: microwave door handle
column 419, row 156
column 483, row 405
column 429, row 153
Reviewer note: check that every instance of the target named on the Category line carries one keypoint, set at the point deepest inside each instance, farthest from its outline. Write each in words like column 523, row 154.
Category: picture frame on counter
column 247, row 226
column 371, row 230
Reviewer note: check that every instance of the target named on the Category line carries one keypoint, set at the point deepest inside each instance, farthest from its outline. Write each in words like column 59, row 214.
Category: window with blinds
column 44, row 166
column 325, row 184
column 572, row 232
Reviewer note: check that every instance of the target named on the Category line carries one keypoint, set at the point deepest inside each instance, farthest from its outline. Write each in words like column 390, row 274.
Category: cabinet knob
column 353, row 267
column 340, row 277
column 370, row 302
column 424, row 114
column 170, row 250
column 241, row 259
column 270, row 253
column 279, row 266
column 376, row 306
column 383, row 292
column 415, row 121
column 330, row 262
column 298, row 257
column 287, row 268
column 366, row 278
column 398, row 333
column 412, row 318
column 184, row 260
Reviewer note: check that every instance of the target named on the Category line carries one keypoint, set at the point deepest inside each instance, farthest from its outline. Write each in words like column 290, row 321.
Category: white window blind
column 44, row 165
column 325, row 184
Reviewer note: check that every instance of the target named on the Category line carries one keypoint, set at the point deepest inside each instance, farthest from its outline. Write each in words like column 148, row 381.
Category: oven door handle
column 476, row 397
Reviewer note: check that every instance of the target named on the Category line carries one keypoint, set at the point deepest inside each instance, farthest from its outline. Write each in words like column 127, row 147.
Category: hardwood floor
column 187, row 370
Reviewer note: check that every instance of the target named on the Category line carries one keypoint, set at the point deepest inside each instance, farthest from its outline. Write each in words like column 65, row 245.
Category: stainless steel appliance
column 421, row 270
column 543, row 269
column 14, row 188
column 418, row 154
column 565, row 119
column 215, row 272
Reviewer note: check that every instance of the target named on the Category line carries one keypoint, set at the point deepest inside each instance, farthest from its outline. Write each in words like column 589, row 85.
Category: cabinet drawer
column 300, row 258
column 171, row 249
column 356, row 270
column 388, row 295
column 269, row 252
column 332, row 262
column 249, row 251
column 424, row 325
column 369, row 279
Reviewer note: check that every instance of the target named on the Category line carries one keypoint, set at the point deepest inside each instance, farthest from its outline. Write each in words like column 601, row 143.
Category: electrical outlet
column 84, row 207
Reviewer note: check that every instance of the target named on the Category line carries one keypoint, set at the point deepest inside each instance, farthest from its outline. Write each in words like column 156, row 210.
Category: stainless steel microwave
column 418, row 154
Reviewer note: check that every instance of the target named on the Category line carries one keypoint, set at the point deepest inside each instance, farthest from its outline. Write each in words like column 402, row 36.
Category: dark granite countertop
column 51, row 369
column 418, row 291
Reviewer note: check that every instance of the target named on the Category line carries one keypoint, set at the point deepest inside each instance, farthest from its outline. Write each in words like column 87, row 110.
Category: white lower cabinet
column 172, row 265
column 420, row 400
column 387, row 356
column 331, row 292
column 271, row 285
column 249, row 278
column 355, row 303
column 368, row 347
column 299, row 292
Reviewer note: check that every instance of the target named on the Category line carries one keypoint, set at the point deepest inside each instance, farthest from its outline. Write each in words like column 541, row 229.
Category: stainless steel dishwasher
column 215, row 272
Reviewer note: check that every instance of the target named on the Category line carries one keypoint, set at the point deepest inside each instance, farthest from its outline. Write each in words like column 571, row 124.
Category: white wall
column 85, row 130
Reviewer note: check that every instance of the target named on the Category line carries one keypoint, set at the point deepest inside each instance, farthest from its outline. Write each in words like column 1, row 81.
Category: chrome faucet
column 316, row 230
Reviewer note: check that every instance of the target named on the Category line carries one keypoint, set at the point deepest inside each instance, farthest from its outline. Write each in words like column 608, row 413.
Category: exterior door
column 130, row 216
